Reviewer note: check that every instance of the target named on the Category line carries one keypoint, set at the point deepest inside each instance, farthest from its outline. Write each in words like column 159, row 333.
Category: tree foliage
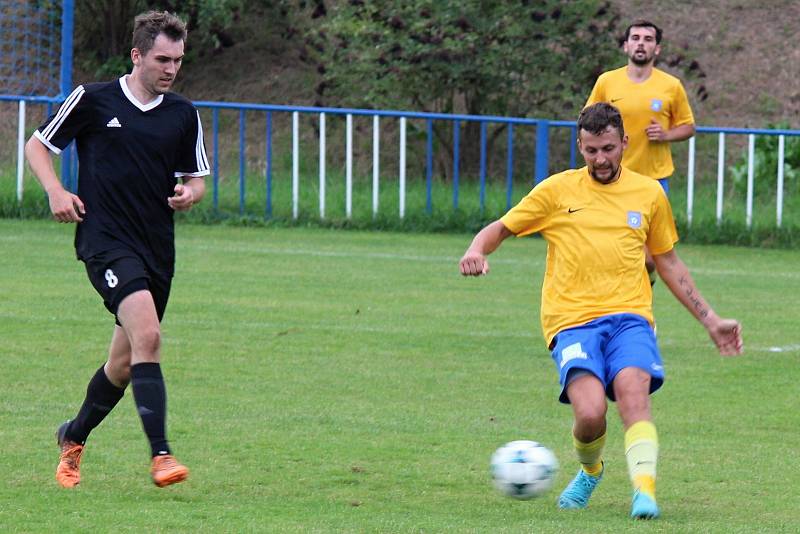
column 536, row 58
column 504, row 57
column 103, row 29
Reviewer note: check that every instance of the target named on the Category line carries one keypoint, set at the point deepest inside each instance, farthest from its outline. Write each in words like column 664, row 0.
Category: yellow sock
column 590, row 454
column 641, row 451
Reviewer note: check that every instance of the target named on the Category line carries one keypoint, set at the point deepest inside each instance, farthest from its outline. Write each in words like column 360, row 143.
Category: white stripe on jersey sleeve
column 53, row 148
column 65, row 109
column 200, row 149
column 200, row 155
column 197, row 174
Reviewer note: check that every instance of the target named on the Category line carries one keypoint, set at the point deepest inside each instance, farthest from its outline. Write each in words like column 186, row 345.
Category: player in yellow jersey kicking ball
column 596, row 308
column 653, row 105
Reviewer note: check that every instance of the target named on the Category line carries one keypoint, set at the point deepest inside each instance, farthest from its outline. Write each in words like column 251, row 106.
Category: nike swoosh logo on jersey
column 114, row 123
column 570, row 210
column 616, row 99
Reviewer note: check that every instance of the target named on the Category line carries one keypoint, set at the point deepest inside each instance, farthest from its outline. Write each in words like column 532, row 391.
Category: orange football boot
column 68, row 472
column 166, row 470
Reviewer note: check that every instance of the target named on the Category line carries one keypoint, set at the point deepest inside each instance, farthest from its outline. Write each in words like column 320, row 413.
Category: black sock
column 150, row 395
column 101, row 397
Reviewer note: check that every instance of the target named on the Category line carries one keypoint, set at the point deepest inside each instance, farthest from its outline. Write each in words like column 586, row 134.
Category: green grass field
column 252, row 208
column 344, row 381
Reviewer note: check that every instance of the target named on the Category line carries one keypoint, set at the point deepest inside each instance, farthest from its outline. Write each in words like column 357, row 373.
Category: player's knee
column 147, row 342
column 590, row 421
column 119, row 372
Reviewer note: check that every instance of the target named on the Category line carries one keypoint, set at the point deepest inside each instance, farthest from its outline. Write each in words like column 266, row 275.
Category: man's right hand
column 727, row 336
column 65, row 206
column 474, row 264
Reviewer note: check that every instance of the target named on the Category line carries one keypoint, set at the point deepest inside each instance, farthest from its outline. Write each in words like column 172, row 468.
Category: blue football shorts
column 604, row 347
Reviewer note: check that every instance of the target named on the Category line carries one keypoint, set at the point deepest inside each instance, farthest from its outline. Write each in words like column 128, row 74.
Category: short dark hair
column 597, row 117
column 147, row 26
column 641, row 23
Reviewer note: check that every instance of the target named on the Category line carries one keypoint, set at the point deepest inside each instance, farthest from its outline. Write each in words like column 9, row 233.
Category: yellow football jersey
column 660, row 97
column 595, row 237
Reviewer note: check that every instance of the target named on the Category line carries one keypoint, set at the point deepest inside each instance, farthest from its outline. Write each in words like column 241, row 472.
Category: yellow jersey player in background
column 653, row 105
column 596, row 310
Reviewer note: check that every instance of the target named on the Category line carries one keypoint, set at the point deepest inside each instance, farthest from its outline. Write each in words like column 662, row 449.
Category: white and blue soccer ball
column 524, row 469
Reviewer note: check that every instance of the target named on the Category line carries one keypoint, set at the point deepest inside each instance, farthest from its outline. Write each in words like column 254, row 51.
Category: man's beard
column 641, row 62
column 611, row 176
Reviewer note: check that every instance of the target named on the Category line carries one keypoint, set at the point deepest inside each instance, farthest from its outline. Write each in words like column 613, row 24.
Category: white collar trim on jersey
column 123, row 82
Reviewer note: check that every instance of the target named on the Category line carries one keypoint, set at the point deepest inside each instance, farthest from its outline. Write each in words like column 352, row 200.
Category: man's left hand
column 655, row 132
column 183, row 199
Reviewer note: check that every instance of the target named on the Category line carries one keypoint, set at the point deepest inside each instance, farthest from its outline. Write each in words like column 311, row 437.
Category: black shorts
column 115, row 274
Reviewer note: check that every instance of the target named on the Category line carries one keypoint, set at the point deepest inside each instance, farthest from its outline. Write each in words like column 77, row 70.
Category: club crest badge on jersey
column 656, row 104
column 634, row 219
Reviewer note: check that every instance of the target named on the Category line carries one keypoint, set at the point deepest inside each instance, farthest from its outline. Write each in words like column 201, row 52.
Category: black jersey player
column 141, row 157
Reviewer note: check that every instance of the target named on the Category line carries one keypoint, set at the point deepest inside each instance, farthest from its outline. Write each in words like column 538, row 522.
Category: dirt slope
column 747, row 50
column 739, row 60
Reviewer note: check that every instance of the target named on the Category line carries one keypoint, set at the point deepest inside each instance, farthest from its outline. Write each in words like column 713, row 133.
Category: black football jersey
column 130, row 156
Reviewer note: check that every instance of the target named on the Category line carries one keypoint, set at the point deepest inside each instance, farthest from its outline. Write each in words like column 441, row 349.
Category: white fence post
column 376, row 143
column 779, row 200
column 295, row 164
column 349, row 168
column 402, row 201
column 21, row 151
column 322, row 165
column 690, row 183
column 751, row 164
column 720, row 175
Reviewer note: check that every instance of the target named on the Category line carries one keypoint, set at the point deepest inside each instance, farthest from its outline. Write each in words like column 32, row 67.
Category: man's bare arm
column 65, row 206
column 726, row 333
column 474, row 262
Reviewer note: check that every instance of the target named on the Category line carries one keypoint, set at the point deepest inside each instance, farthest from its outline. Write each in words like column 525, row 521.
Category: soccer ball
column 524, row 469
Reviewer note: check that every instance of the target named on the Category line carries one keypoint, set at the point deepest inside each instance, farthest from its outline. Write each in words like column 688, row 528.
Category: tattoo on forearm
column 694, row 297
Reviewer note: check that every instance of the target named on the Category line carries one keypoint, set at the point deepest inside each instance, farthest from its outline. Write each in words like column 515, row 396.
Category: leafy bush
column 766, row 165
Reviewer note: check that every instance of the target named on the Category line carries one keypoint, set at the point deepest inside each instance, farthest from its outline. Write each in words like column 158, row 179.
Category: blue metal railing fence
column 541, row 152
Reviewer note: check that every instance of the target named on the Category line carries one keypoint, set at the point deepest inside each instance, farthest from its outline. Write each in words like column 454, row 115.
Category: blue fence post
column 509, row 165
column 429, row 169
column 67, row 25
column 215, row 136
column 268, row 208
column 73, row 148
column 66, row 168
column 573, row 145
column 456, row 157
column 241, row 162
column 48, row 112
column 542, row 149
column 483, row 168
